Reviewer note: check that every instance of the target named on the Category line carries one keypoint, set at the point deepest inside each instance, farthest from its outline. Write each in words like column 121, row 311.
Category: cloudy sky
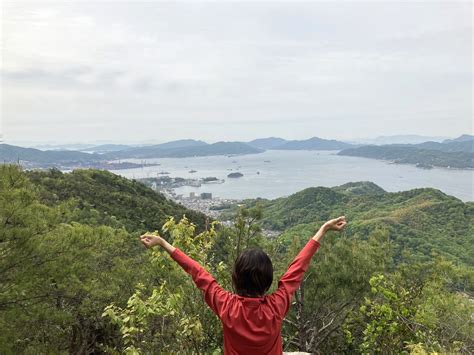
column 135, row 71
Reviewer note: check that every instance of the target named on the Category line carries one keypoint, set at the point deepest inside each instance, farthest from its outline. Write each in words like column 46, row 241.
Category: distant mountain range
column 449, row 153
column 453, row 153
column 463, row 138
column 400, row 139
column 181, row 149
column 313, row 143
column 106, row 148
column 177, row 149
column 267, row 143
column 12, row 154
column 449, row 146
column 173, row 149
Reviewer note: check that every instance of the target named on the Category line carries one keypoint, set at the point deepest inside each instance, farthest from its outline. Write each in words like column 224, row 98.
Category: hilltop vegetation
column 105, row 198
column 422, row 221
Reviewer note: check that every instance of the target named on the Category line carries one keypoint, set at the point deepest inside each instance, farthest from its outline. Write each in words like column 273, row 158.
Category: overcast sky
column 158, row 71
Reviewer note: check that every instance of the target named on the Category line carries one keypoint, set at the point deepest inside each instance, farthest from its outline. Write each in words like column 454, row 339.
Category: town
column 206, row 203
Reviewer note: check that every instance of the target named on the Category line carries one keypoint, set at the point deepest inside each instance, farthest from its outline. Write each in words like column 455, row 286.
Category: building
column 206, row 196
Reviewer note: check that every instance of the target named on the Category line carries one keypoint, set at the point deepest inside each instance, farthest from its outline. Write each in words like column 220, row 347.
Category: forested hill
column 183, row 149
column 425, row 221
column 456, row 154
column 12, row 154
column 105, row 198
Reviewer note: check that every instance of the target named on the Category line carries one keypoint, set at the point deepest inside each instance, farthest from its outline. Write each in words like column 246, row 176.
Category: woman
column 251, row 320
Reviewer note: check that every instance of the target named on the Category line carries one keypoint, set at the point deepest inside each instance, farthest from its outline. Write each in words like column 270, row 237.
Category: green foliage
column 103, row 198
column 60, row 267
column 133, row 321
column 335, row 284
column 246, row 227
column 413, row 313
column 148, row 322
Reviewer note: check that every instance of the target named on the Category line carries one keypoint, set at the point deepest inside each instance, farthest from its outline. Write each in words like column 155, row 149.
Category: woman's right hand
column 336, row 224
column 150, row 240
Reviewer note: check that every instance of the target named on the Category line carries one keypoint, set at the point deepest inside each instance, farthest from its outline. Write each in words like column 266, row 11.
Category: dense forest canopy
column 74, row 277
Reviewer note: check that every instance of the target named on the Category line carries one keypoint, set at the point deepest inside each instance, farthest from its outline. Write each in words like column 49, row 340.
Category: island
column 235, row 175
column 417, row 155
column 212, row 180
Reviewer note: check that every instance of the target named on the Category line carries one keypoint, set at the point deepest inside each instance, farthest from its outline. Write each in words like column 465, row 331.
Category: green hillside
column 423, row 220
column 104, row 198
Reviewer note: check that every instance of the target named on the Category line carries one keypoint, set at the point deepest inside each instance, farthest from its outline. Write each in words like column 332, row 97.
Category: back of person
column 252, row 326
column 251, row 321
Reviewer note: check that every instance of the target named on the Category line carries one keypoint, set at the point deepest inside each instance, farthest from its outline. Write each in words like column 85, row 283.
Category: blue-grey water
column 287, row 172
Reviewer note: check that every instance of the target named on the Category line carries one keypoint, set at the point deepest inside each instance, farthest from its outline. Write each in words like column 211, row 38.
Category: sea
column 278, row 173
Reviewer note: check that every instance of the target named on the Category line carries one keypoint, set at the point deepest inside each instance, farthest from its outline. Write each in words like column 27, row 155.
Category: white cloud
column 235, row 70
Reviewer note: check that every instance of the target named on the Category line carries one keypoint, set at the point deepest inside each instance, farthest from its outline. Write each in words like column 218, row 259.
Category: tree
column 408, row 311
column 173, row 307
column 333, row 286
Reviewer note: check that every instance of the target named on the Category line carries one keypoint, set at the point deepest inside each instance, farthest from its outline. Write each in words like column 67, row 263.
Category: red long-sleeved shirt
column 251, row 325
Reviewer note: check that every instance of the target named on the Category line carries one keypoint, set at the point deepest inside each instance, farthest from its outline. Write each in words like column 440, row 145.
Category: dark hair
column 253, row 273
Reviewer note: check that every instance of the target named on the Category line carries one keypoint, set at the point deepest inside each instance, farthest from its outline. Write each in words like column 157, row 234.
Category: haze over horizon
column 153, row 72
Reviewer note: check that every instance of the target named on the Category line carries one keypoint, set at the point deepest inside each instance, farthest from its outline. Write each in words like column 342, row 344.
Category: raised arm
column 214, row 295
column 291, row 280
